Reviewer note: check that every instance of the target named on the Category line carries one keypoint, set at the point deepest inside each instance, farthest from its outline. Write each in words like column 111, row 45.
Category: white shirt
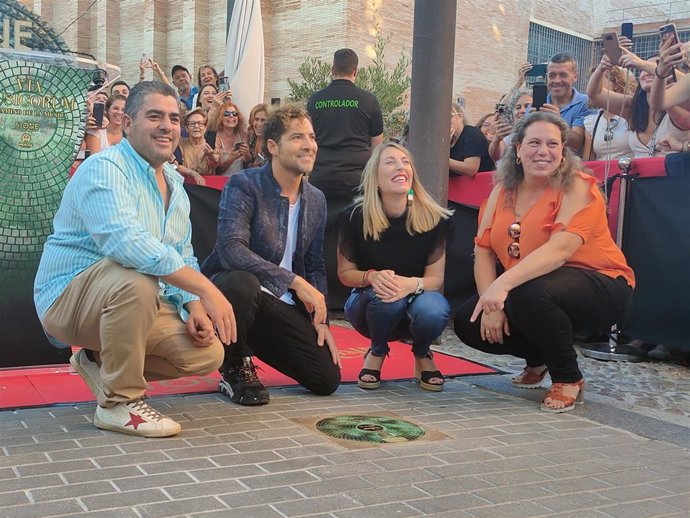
column 290, row 247
column 618, row 145
column 664, row 129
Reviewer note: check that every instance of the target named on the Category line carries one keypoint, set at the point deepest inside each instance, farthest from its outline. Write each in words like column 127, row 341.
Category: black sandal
column 376, row 374
column 424, row 377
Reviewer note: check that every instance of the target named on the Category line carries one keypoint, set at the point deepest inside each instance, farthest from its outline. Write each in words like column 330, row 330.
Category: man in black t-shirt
column 348, row 124
column 469, row 152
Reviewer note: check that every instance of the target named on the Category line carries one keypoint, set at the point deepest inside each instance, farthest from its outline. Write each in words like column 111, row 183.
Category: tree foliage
column 390, row 86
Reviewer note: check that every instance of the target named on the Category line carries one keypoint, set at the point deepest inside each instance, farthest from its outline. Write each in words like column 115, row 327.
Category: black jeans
column 544, row 313
column 277, row 333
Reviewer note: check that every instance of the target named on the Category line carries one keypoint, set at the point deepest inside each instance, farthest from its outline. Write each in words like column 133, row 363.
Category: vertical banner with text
column 42, row 105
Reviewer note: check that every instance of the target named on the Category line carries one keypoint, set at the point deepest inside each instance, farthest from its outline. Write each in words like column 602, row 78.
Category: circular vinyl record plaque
column 365, row 428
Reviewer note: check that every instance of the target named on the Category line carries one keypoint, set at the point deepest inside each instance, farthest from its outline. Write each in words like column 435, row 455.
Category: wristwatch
column 420, row 286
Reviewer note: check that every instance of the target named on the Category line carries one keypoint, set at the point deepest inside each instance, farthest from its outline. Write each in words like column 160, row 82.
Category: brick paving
column 495, row 455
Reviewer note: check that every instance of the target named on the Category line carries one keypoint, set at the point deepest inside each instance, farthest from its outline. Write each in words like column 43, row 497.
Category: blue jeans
column 422, row 319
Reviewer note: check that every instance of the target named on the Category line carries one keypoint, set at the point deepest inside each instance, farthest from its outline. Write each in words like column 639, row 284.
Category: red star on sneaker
column 135, row 420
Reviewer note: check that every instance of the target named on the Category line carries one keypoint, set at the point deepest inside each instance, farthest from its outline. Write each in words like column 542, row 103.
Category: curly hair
column 278, row 120
column 217, row 121
column 511, row 174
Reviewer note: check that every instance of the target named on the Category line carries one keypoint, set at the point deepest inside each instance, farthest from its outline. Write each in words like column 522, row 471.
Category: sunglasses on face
column 514, row 233
column 230, row 113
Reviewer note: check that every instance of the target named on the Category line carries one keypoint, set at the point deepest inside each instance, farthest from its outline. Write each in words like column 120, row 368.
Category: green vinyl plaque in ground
column 366, row 428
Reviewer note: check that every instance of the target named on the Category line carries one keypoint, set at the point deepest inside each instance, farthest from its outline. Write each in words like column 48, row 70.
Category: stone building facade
column 491, row 37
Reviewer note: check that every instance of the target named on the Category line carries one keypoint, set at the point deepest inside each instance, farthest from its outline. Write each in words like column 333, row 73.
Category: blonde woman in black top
column 391, row 250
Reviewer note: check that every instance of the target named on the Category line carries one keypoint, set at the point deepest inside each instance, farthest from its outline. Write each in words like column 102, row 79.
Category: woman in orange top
column 545, row 221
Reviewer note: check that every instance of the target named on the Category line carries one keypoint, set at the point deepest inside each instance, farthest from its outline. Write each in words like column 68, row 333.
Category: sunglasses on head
column 230, row 113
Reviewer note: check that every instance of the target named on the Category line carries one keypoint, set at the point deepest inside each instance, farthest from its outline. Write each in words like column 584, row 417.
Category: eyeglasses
column 232, row 113
column 194, row 124
column 514, row 233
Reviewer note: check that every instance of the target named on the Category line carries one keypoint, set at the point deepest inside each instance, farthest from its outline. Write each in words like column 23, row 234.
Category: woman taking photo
column 545, row 221
column 195, row 156
column 607, row 136
column 392, row 251
column 206, row 75
column 104, row 137
column 230, row 139
column 647, row 126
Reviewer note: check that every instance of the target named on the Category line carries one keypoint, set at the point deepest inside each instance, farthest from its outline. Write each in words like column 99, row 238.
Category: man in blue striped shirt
column 118, row 276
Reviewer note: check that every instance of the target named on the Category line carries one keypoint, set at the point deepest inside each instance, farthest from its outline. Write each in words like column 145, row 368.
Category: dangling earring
column 518, row 161
column 410, row 197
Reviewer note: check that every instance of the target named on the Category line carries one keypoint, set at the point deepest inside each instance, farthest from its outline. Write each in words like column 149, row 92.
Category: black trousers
column 544, row 313
column 277, row 333
column 337, row 293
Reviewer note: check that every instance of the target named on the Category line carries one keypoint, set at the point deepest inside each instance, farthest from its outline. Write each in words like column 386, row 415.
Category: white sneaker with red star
column 135, row 418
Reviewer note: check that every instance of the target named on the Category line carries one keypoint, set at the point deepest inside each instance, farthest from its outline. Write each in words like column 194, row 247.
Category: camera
column 99, row 76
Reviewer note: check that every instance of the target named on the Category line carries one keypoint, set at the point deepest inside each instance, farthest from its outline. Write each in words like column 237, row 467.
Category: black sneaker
column 242, row 385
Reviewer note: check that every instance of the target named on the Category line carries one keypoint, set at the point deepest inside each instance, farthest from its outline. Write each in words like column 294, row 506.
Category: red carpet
column 42, row 386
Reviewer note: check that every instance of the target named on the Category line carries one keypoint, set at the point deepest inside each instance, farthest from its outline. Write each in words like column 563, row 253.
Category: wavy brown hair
column 511, row 174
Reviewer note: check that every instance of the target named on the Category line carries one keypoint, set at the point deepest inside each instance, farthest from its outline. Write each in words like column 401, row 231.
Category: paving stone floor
column 498, row 456
column 489, row 452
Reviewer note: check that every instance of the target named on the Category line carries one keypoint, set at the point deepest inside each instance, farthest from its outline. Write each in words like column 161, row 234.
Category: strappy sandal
column 529, row 380
column 424, row 377
column 374, row 373
column 569, row 402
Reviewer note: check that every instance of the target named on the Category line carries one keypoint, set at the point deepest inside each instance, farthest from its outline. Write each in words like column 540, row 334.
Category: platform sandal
column 569, row 402
column 374, row 373
column 424, row 377
column 529, row 380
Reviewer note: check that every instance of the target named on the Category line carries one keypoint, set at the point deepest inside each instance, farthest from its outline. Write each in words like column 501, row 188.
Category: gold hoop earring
column 518, row 161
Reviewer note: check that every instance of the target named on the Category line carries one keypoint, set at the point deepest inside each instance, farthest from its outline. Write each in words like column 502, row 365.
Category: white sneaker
column 135, row 418
column 89, row 371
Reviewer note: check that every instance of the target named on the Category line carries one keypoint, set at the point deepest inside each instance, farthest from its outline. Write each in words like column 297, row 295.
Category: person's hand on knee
column 324, row 336
column 199, row 325
column 220, row 311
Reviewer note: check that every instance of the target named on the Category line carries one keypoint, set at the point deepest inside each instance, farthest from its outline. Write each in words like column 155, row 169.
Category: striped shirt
column 112, row 208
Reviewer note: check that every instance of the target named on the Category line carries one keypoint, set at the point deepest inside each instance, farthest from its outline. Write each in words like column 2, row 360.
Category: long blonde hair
column 422, row 216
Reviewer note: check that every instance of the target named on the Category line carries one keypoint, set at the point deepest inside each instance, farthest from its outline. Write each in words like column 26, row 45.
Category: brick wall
column 491, row 37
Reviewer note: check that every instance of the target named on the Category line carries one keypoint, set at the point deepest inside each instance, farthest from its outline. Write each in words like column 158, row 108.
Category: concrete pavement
column 491, row 453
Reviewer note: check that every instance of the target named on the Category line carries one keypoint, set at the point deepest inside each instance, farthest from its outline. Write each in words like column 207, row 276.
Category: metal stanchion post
column 613, row 350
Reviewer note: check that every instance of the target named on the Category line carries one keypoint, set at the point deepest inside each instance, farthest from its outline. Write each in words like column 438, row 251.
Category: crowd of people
column 624, row 112
column 216, row 137
column 119, row 277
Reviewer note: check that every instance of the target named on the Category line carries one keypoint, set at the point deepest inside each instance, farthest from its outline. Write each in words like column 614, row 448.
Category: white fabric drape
column 244, row 57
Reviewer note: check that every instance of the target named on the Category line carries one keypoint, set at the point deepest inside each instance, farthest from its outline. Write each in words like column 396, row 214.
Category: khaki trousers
column 117, row 312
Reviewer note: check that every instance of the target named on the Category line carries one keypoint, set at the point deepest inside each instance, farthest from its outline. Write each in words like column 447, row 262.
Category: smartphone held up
column 538, row 96
column 98, row 113
column 611, row 47
column 223, row 84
